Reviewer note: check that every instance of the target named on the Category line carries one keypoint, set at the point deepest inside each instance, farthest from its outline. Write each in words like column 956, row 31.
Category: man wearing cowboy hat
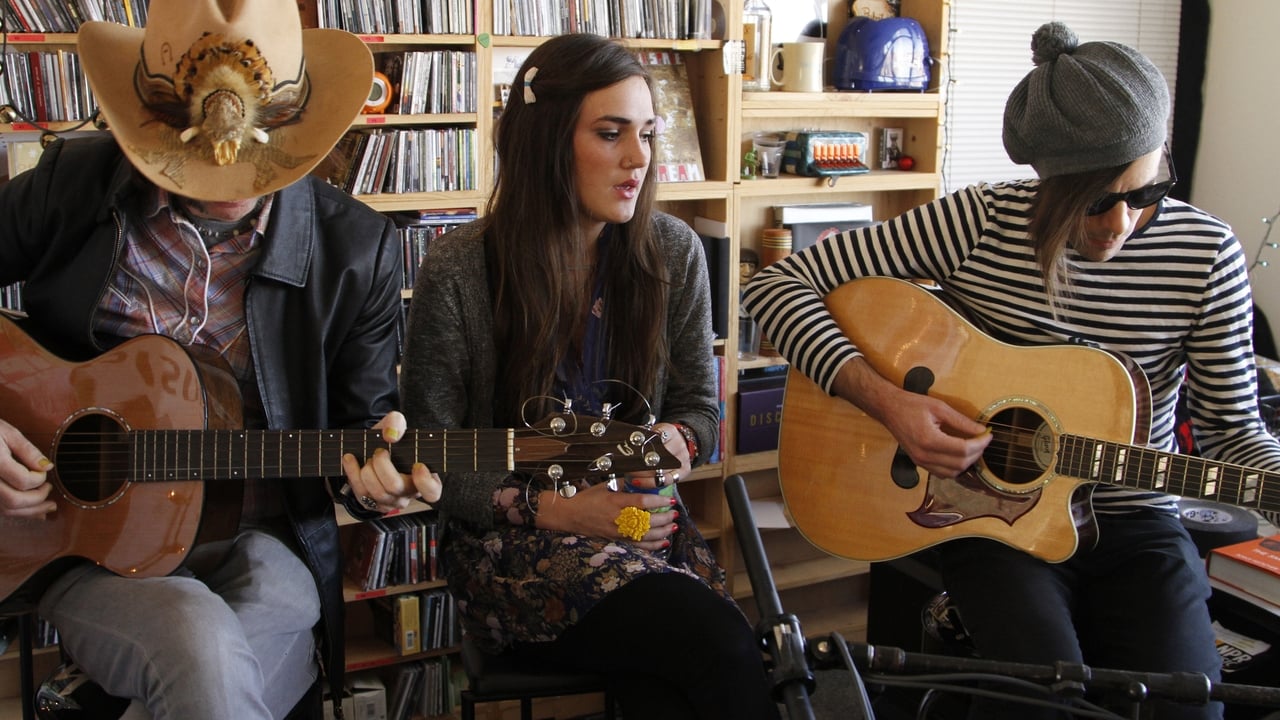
column 197, row 219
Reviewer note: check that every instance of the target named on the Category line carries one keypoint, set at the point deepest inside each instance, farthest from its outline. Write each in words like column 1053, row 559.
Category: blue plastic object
column 888, row 54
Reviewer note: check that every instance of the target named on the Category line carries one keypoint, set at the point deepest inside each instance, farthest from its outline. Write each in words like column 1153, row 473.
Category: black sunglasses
column 1145, row 196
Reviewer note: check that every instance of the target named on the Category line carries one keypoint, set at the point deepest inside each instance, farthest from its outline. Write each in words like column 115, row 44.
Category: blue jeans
column 234, row 643
column 1135, row 601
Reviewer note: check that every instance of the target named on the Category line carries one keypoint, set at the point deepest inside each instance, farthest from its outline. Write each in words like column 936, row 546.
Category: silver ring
column 368, row 503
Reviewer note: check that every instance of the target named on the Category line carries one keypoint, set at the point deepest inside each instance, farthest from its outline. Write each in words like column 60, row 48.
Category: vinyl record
column 1214, row 524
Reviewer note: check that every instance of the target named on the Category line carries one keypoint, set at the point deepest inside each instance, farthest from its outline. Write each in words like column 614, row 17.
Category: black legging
column 671, row 648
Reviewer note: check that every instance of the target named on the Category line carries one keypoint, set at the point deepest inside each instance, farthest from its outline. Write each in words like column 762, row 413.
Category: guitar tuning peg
column 611, row 482
column 604, row 463
column 607, row 411
column 598, row 429
column 652, row 459
column 558, row 425
column 650, row 421
column 637, row 438
column 566, row 489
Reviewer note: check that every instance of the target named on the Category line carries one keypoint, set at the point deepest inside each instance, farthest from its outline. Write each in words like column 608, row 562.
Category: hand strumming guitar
column 936, row 436
column 24, row 480
column 25, row 487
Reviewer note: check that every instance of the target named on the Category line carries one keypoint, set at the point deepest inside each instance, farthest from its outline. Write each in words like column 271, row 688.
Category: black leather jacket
column 323, row 307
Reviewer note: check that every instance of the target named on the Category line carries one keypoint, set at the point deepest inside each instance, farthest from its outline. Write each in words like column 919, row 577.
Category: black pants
column 671, row 648
column 1135, row 601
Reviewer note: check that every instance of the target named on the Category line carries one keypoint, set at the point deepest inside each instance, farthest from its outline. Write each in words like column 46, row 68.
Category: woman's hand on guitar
column 675, row 444
column 24, row 480
column 936, row 436
column 594, row 512
column 381, row 482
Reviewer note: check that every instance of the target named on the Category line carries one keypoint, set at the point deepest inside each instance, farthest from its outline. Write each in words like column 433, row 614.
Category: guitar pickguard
column 948, row 501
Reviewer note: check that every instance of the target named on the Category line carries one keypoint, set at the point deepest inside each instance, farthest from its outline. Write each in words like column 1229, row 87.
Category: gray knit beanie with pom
column 1084, row 107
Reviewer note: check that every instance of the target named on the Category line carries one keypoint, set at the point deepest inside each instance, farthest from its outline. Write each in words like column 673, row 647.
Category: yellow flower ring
column 632, row 522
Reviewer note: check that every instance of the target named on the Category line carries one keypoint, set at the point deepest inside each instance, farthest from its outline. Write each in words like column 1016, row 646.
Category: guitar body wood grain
column 836, row 464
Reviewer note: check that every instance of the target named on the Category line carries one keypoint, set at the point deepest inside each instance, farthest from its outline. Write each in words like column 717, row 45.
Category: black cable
column 944, row 683
column 950, row 682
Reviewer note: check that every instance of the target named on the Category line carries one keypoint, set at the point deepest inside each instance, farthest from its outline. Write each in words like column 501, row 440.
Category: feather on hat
column 225, row 99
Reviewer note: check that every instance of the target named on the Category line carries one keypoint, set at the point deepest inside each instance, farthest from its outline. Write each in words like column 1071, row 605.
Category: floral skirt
column 517, row 583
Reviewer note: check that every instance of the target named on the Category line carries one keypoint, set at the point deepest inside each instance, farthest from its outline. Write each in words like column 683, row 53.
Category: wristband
column 689, row 438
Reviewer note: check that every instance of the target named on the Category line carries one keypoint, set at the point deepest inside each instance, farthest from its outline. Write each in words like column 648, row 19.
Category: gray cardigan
column 449, row 366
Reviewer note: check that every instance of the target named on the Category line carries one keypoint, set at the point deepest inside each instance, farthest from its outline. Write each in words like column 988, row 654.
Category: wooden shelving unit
column 827, row 594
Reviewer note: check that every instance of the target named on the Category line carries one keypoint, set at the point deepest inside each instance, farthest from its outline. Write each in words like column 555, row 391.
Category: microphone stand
column 1193, row 688
column 792, row 679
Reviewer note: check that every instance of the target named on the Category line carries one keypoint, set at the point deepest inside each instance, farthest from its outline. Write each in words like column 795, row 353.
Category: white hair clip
column 529, row 75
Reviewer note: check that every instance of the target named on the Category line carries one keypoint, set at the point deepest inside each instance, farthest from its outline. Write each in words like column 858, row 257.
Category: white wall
column 1237, row 174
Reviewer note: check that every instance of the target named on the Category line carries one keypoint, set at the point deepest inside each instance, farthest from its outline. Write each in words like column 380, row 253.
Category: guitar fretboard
column 1186, row 475
column 168, row 455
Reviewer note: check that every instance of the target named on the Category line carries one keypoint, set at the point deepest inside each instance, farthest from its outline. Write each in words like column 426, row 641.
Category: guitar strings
column 83, row 453
column 1234, row 483
column 88, row 453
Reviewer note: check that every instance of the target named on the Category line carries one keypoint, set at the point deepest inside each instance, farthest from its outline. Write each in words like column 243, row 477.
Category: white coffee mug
column 801, row 69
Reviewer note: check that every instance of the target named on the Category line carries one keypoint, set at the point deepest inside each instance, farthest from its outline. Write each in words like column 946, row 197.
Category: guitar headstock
column 590, row 446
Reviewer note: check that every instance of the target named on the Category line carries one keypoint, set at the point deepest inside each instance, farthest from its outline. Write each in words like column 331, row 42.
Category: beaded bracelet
column 690, row 438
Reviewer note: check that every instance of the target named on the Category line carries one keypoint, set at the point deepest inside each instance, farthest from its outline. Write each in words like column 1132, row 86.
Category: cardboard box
column 368, row 697
column 365, row 699
column 811, row 222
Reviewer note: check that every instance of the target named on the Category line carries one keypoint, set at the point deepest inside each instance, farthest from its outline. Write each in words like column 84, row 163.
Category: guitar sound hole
column 1021, row 448
column 92, row 458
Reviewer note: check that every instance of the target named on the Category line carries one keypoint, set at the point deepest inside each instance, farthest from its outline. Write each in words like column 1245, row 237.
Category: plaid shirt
column 167, row 282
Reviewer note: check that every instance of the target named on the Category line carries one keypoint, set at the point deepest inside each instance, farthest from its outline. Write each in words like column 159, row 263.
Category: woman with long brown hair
column 572, row 288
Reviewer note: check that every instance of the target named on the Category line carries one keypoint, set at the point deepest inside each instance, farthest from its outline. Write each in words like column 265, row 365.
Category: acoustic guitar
column 1063, row 417
column 141, row 435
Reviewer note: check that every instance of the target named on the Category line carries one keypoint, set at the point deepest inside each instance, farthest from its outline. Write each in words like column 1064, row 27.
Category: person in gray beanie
column 1091, row 252
column 1061, row 118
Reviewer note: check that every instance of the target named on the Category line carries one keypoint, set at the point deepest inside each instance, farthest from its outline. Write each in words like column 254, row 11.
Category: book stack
column 430, row 81
column 395, row 550
column 417, row 622
column 427, row 688
column 66, row 16
column 418, row 229
column 47, row 85
column 812, row 222
column 371, row 162
column 1249, row 570
column 405, row 17
column 674, row 19
column 11, row 297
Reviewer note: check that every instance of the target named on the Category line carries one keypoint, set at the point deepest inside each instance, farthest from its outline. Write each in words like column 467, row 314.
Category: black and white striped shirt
column 1175, row 299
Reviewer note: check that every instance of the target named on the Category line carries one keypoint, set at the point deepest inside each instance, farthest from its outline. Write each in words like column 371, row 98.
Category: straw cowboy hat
column 225, row 99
